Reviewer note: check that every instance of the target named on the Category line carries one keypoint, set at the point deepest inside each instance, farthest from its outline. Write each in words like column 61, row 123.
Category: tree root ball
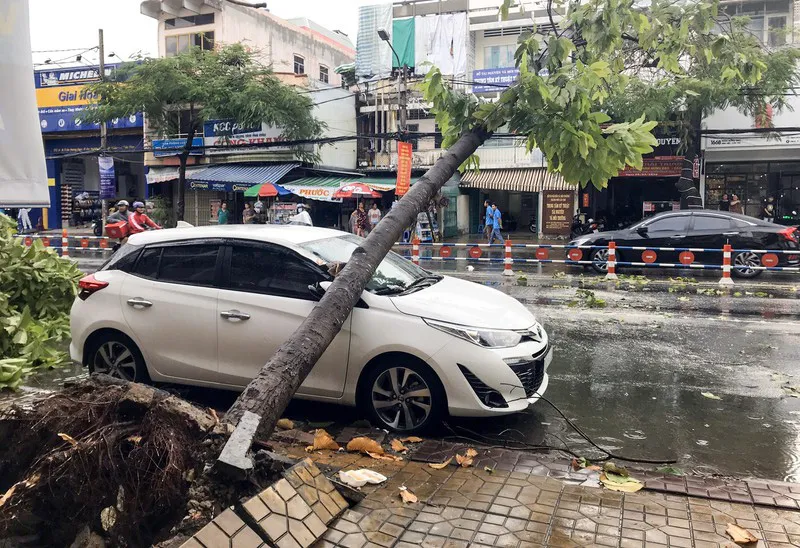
column 117, row 457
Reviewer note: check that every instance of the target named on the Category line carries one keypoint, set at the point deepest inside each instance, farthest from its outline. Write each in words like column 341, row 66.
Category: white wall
column 462, row 213
column 340, row 116
column 279, row 41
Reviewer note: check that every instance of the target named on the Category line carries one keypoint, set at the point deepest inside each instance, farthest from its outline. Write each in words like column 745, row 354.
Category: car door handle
column 678, row 237
column 234, row 315
column 138, row 302
column 730, row 233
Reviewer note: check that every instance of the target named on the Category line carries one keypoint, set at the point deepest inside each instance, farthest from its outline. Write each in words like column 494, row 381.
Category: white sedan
column 209, row 306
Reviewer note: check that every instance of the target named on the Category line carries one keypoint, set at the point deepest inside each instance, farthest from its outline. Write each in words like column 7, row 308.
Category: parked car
column 699, row 229
column 209, row 306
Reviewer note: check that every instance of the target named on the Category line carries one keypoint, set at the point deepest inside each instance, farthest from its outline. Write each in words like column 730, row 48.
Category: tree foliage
column 37, row 288
column 590, row 92
column 178, row 94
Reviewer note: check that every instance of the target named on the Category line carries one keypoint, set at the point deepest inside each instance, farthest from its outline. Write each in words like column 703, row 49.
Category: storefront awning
column 316, row 188
column 534, row 179
column 237, row 177
column 168, row 173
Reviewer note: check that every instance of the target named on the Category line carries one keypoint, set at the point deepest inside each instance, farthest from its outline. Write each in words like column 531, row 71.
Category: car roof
column 739, row 216
column 287, row 235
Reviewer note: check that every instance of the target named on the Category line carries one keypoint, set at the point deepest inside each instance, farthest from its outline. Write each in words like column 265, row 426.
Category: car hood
column 465, row 303
column 603, row 236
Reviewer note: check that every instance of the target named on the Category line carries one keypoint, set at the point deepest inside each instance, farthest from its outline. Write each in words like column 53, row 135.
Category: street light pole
column 401, row 84
column 103, row 127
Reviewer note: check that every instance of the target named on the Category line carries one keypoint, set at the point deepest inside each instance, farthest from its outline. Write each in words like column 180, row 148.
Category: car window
column 147, row 265
column 189, row 264
column 271, row 270
column 710, row 222
column 738, row 223
column 123, row 259
column 674, row 223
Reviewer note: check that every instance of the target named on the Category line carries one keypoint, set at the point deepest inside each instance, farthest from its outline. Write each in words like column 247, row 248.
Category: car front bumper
column 485, row 382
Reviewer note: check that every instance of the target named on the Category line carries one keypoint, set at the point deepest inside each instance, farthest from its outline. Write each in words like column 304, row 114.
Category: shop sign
column 173, row 147
column 217, row 186
column 659, row 166
column 62, row 96
column 405, row 154
column 488, row 80
column 229, row 137
column 108, row 179
column 321, row 193
column 557, row 211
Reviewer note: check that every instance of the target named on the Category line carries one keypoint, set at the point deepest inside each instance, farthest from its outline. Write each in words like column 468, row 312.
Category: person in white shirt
column 24, row 218
column 302, row 217
column 374, row 215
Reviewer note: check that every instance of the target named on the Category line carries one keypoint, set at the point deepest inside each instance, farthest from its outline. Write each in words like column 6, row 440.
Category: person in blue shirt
column 497, row 224
column 487, row 227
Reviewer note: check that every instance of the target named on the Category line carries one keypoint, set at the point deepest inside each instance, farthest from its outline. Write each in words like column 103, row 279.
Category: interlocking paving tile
column 226, row 530
column 284, row 516
column 316, row 490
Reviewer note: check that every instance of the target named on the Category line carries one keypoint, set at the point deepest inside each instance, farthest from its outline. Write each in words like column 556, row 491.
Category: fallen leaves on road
column 407, row 496
column 583, row 464
column 67, row 438
column 710, row 396
column 740, row 535
column 285, row 424
column 440, row 465
column 412, row 439
column 398, row 446
column 615, row 482
column 377, row 456
column 359, row 478
column 465, row 461
column 365, row 445
column 322, row 441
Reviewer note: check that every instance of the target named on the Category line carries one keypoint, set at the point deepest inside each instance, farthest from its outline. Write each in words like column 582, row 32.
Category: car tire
column 745, row 259
column 599, row 258
column 385, row 395
column 116, row 355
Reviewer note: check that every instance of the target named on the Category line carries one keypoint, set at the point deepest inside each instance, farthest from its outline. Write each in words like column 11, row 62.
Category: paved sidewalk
column 473, row 507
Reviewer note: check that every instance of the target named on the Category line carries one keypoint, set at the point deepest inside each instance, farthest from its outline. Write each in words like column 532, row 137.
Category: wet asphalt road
column 632, row 378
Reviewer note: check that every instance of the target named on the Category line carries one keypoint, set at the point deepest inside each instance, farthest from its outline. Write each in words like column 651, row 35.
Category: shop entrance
column 519, row 209
column 629, row 199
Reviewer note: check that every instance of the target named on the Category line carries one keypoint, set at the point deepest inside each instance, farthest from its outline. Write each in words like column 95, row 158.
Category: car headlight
column 488, row 338
column 580, row 241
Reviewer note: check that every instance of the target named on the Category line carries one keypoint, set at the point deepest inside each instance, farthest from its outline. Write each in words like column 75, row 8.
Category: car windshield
column 394, row 275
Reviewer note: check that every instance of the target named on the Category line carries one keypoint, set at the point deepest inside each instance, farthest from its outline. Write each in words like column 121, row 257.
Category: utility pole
column 103, row 127
column 401, row 101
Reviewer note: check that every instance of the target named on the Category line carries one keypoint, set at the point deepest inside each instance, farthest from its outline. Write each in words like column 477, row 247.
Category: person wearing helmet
column 302, row 217
column 139, row 221
column 121, row 214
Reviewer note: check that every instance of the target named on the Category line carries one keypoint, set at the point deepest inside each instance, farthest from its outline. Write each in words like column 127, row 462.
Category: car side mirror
column 642, row 230
column 318, row 289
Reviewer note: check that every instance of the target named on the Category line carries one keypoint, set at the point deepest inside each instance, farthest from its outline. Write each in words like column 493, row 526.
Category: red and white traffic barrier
column 507, row 260
column 726, row 266
column 64, row 243
column 611, row 263
column 415, row 250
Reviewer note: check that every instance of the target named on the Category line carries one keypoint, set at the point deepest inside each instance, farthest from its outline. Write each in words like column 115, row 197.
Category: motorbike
column 97, row 226
column 590, row 226
column 532, row 224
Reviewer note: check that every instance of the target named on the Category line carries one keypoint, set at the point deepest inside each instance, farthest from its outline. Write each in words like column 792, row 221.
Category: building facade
column 757, row 167
column 72, row 149
column 301, row 53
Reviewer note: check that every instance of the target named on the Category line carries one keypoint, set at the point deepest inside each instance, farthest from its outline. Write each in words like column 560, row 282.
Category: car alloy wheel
column 743, row 264
column 600, row 260
column 401, row 398
column 115, row 359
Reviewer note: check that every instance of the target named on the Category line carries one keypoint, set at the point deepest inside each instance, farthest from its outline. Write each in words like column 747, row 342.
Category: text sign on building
column 557, row 211
column 660, row 166
column 493, row 80
column 108, row 179
column 405, row 153
column 173, row 147
column 229, row 137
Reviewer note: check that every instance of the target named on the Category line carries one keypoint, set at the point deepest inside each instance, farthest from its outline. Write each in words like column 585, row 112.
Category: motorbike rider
column 139, row 221
column 121, row 214
column 302, row 217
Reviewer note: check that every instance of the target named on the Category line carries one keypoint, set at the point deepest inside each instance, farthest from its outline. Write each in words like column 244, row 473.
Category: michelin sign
column 62, row 95
column 23, row 176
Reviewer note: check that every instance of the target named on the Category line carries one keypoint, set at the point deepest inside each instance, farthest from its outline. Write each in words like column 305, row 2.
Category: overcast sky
column 60, row 24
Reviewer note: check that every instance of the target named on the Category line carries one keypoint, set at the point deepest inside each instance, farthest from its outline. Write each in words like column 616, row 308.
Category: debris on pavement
column 740, row 535
column 412, row 439
column 407, row 496
column 440, row 465
column 323, row 441
column 398, row 446
column 385, row 456
column 287, row 424
column 359, row 478
column 617, row 478
column 365, row 445
column 710, row 396
column 465, row 461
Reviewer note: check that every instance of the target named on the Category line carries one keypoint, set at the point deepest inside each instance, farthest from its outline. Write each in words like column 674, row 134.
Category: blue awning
column 237, row 177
